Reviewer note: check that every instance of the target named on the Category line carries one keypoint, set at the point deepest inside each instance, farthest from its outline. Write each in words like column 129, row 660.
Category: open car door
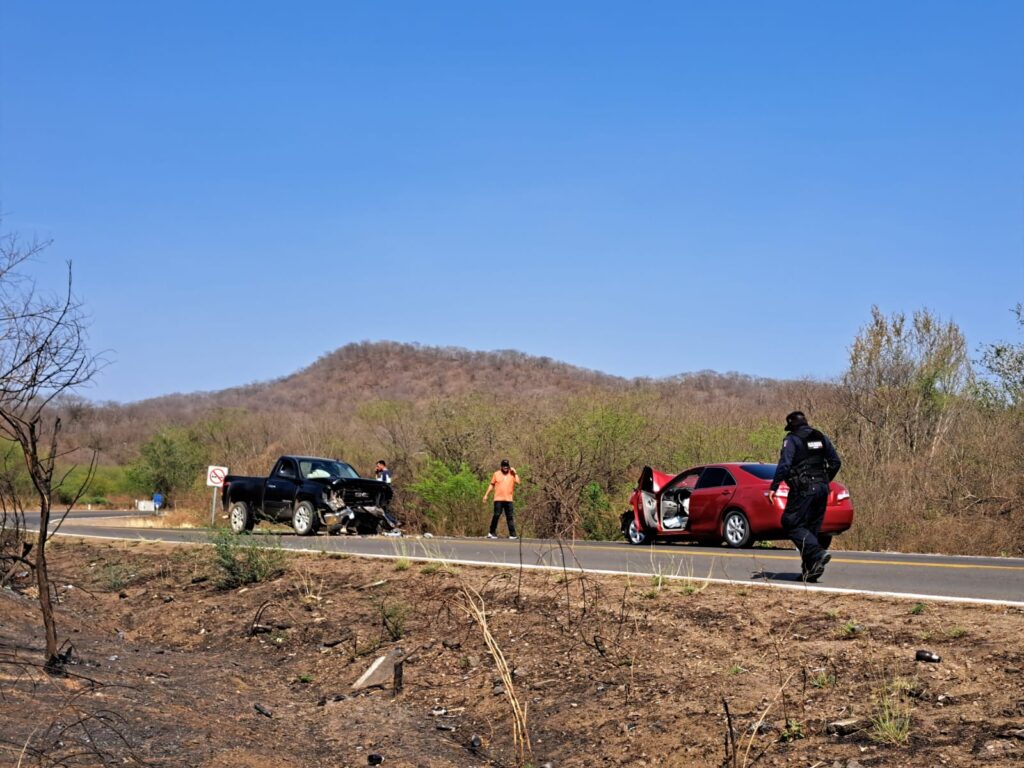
column 651, row 484
column 674, row 501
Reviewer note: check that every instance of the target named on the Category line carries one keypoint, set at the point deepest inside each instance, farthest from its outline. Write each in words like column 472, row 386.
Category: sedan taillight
column 842, row 495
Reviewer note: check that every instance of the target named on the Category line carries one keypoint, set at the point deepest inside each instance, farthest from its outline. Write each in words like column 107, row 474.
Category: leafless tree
column 43, row 356
column 13, row 545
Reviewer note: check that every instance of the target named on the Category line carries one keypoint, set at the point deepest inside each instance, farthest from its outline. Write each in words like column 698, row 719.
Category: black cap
column 795, row 420
column 504, row 463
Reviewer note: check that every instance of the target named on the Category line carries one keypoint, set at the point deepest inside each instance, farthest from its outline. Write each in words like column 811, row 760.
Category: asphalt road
column 919, row 577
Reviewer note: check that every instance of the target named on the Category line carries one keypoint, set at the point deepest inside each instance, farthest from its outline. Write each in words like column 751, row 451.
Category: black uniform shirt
column 789, row 452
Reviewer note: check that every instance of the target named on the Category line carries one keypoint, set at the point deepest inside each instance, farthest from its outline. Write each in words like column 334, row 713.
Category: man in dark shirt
column 807, row 463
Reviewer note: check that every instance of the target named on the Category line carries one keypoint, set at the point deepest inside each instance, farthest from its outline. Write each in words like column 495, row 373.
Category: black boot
column 816, row 571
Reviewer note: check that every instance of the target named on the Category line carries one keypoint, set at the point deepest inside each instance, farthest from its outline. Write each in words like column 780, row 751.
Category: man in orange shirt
column 503, row 483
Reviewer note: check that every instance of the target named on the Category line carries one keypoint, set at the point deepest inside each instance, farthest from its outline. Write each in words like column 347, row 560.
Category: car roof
column 725, row 464
column 733, row 465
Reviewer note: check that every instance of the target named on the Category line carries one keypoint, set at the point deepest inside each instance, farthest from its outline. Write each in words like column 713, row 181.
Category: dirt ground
column 169, row 670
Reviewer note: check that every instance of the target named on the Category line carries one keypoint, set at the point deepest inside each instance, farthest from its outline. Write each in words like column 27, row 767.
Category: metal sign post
column 215, row 478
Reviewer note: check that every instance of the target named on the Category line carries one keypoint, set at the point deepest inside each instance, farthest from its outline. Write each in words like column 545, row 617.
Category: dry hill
column 342, row 380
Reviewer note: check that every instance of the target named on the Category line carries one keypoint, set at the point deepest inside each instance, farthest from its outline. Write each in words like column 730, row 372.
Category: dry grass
column 310, row 585
column 890, row 718
column 477, row 610
column 182, row 517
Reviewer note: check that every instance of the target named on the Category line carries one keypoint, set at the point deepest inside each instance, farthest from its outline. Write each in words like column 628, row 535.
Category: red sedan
column 719, row 502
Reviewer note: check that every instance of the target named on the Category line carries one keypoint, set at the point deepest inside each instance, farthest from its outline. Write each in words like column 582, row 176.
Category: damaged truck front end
column 357, row 507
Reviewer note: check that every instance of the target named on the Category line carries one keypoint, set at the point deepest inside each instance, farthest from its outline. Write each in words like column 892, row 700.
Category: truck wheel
column 240, row 518
column 304, row 519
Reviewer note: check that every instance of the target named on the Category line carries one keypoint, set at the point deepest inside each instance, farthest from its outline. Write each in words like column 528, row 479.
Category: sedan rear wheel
column 637, row 535
column 736, row 529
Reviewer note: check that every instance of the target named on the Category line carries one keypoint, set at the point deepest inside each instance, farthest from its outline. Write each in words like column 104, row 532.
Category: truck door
column 280, row 490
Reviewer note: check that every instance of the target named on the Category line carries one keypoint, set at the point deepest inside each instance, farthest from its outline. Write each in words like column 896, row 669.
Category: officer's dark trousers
column 805, row 512
column 506, row 508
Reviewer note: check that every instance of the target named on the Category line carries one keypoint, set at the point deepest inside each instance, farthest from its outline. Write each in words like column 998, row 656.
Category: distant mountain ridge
column 403, row 371
column 406, row 371
column 340, row 381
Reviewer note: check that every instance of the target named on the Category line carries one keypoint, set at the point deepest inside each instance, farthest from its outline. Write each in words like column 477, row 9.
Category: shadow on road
column 771, row 576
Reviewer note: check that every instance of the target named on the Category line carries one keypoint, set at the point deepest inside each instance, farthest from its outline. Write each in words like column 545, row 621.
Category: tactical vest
column 809, row 462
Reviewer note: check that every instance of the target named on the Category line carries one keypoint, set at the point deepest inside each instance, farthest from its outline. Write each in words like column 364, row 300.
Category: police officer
column 808, row 463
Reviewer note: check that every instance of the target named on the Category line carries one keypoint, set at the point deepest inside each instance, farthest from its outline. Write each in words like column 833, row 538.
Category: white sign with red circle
column 215, row 476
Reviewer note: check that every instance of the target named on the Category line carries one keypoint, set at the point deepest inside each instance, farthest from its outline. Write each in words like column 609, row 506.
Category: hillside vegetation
column 932, row 442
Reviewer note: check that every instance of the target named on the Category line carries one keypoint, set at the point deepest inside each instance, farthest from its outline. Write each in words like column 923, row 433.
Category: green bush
column 599, row 520
column 764, row 443
column 451, row 499
column 170, row 462
column 106, row 481
column 594, row 441
column 246, row 559
column 393, row 617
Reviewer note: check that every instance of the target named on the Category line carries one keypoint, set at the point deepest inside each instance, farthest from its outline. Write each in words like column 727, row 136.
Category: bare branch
column 44, row 355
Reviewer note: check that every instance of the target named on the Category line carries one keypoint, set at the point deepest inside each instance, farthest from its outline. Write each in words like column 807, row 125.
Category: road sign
column 215, row 476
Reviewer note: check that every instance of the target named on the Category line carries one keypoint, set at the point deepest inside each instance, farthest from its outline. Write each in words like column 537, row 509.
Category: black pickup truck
column 310, row 493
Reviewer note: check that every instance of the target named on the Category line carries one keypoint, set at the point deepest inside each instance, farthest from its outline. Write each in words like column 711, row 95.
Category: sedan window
column 762, row 471
column 713, row 477
column 689, row 480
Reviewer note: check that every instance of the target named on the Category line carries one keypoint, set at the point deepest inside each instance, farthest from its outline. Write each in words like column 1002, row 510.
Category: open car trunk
column 652, row 481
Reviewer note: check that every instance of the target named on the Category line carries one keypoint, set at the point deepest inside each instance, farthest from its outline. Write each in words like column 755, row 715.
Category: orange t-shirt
column 504, row 485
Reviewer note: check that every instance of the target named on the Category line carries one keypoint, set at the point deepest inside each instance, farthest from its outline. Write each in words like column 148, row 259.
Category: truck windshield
column 313, row 469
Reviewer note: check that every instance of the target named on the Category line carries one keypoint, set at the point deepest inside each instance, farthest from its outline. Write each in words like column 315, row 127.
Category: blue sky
column 640, row 188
